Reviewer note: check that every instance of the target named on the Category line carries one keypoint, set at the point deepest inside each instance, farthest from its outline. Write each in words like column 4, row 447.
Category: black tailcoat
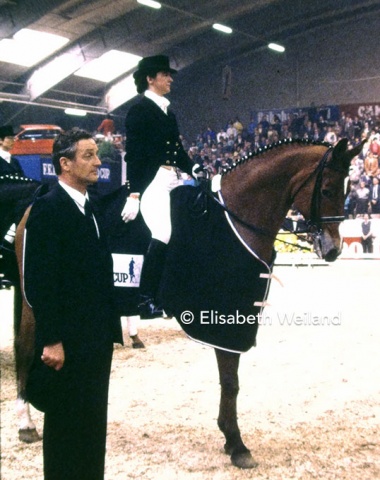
column 152, row 140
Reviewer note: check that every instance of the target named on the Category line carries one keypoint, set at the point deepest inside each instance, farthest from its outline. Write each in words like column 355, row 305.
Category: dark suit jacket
column 10, row 168
column 152, row 140
column 69, row 277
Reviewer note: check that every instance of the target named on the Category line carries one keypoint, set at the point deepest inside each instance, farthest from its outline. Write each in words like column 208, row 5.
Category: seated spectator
column 362, row 199
column 371, row 165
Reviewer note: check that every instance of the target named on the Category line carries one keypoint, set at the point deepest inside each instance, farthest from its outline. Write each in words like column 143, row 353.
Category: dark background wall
column 342, row 67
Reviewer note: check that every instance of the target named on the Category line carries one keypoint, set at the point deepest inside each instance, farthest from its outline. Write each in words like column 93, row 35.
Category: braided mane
column 261, row 150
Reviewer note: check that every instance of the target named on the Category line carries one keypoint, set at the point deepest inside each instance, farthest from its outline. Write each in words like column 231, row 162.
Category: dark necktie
column 89, row 214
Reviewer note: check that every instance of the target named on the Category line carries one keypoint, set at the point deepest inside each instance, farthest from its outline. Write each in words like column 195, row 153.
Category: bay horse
column 257, row 192
column 16, row 194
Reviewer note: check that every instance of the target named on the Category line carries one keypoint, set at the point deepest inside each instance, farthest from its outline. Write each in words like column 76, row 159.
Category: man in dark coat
column 69, row 283
column 154, row 153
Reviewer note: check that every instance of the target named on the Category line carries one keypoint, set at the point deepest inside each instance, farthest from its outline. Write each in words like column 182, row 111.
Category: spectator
column 367, row 236
column 107, row 127
column 362, row 200
column 374, row 198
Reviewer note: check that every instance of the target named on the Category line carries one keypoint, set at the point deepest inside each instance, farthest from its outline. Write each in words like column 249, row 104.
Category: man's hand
column 54, row 356
column 131, row 207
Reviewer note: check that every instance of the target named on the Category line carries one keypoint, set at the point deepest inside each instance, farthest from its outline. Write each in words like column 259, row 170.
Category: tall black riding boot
column 150, row 279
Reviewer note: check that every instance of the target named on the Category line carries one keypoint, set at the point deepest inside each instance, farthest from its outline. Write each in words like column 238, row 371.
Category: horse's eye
column 327, row 193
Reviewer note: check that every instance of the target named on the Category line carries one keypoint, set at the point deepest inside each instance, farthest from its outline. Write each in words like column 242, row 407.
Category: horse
column 16, row 193
column 255, row 194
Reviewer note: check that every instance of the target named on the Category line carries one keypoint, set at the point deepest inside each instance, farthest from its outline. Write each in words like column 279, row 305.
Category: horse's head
column 326, row 207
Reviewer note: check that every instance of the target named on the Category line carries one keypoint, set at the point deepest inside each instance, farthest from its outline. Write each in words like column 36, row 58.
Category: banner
column 361, row 109
column 127, row 270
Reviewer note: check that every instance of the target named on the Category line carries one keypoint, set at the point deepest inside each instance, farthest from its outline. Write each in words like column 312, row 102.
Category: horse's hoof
column 243, row 460
column 28, row 435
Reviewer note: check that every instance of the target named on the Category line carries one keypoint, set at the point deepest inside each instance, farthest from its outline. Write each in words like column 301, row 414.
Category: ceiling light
column 120, row 93
column 109, row 66
column 149, row 3
column 222, row 28
column 28, row 47
column 276, row 47
column 76, row 111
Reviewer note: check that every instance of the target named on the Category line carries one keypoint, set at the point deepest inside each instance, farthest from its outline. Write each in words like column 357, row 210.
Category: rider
column 154, row 153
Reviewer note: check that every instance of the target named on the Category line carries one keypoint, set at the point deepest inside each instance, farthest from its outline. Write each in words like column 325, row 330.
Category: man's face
column 161, row 83
column 83, row 169
column 7, row 143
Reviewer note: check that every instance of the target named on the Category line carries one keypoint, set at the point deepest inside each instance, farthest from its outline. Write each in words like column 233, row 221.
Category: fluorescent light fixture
column 109, row 66
column 150, row 3
column 28, row 47
column 222, row 28
column 120, row 93
column 76, row 111
column 276, row 47
column 47, row 76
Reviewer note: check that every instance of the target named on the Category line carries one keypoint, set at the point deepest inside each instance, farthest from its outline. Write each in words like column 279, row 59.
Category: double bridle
column 316, row 220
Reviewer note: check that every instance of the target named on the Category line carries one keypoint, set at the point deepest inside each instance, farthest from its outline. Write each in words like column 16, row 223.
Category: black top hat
column 6, row 131
column 153, row 65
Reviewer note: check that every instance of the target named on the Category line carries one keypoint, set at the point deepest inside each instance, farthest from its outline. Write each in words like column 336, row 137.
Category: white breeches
column 155, row 203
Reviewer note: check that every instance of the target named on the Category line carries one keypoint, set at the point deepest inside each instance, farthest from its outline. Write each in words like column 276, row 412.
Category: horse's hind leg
column 24, row 350
column 228, row 365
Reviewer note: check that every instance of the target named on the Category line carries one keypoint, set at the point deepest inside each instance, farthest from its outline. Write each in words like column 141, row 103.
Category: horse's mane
column 259, row 151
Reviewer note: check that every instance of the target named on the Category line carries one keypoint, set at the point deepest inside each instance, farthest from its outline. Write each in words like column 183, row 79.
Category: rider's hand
column 131, row 208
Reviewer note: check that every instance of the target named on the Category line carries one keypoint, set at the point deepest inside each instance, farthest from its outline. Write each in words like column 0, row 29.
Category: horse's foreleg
column 24, row 351
column 228, row 365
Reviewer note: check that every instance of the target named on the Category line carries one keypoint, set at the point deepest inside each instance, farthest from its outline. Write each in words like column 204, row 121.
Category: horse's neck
column 259, row 192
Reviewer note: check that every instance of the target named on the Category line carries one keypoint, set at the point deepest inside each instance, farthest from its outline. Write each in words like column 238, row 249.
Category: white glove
column 131, row 209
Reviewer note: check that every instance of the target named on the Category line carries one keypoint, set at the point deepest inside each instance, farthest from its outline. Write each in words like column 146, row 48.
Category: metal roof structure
column 181, row 29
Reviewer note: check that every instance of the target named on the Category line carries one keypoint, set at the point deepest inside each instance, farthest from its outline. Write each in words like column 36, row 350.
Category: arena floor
column 309, row 404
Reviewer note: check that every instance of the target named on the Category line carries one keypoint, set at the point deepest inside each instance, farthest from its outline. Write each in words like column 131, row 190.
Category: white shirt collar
column 5, row 155
column 159, row 100
column 77, row 196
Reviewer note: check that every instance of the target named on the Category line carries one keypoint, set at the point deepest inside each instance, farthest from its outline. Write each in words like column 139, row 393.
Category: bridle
column 315, row 221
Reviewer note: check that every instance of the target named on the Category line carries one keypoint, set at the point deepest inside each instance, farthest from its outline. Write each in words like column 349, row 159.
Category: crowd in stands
column 217, row 149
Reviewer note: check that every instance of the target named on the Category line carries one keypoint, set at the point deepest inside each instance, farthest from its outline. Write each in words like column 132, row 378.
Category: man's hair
column 65, row 145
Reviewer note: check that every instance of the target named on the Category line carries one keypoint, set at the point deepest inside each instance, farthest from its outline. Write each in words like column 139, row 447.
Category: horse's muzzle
column 325, row 247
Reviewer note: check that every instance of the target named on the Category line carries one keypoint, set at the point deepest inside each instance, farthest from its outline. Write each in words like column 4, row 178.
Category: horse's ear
column 343, row 156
